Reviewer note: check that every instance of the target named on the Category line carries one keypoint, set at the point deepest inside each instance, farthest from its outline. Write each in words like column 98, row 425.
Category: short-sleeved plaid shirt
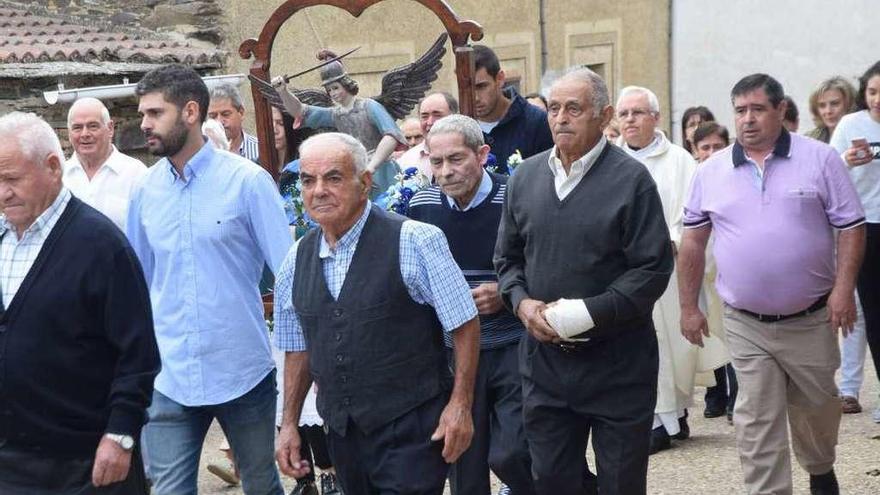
column 429, row 272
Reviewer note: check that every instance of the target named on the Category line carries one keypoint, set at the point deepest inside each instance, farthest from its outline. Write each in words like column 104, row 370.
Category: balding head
column 434, row 107
column 91, row 131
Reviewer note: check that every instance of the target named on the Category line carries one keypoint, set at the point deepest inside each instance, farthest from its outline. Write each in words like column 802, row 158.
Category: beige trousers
column 785, row 372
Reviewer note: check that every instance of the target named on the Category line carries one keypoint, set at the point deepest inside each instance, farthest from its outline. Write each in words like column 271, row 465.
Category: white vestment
column 672, row 168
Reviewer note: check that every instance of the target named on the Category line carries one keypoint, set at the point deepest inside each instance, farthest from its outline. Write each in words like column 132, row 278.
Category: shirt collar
column 348, row 239
column 111, row 162
column 196, row 165
column 781, row 149
column 482, row 193
column 44, row 223
column 585, row 161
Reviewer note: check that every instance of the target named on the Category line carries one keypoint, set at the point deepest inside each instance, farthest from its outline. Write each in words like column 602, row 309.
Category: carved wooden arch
column 260, row 49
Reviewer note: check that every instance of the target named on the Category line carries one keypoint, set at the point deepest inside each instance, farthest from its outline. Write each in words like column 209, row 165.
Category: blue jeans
column 175, row 433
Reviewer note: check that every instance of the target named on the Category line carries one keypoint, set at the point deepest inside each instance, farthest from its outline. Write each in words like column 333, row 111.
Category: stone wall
column 627, row 41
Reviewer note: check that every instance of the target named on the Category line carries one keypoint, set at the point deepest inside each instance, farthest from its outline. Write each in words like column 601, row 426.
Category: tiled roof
column 27, row 38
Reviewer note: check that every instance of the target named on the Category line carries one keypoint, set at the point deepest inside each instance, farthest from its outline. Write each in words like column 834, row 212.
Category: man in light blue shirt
column 203, row 223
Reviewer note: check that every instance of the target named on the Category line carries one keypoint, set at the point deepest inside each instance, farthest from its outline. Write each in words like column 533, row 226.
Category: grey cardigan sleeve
column 509, row 258
column 648, row 251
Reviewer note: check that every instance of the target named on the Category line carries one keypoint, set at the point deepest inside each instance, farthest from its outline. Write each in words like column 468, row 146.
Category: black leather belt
column 774, row 318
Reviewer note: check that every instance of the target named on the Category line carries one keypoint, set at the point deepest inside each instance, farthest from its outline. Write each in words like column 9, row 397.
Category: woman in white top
column 857, row 139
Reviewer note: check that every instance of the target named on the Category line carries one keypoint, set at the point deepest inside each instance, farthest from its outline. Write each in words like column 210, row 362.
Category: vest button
column 337, row 312
column 347, row 401
column 340, row 357
column 343, row 378
column 338, row 336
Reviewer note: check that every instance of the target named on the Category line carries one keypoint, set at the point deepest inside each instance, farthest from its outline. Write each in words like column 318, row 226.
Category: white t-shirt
column 865, row 177
column 487, row 126
column 109, row 190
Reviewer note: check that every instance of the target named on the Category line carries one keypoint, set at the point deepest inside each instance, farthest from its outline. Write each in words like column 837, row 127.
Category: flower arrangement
column 296, row 209
column 398, row 195
column 513, row 161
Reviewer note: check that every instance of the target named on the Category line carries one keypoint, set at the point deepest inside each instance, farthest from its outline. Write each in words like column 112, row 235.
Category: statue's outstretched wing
column 314, row 97
column 404, row 86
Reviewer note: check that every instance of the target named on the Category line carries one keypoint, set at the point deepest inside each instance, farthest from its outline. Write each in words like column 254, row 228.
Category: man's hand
column 112, row 463
column 694, row 325
column 487, row 298
column 842, row 311
column 531, row 313
column 456, row 429
column 287, row 453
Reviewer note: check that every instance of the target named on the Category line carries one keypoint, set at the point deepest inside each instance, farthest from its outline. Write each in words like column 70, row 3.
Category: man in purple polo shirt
column 774, row 201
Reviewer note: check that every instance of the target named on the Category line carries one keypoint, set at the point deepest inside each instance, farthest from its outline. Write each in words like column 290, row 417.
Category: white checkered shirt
column 17, row 256
column 428, row 270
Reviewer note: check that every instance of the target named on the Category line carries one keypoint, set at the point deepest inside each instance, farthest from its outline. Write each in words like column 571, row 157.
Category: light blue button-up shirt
column 203, row 240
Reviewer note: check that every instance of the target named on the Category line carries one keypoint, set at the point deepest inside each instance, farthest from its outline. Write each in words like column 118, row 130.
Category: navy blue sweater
column 77, row 350
column 471, row 235
column 524, row 127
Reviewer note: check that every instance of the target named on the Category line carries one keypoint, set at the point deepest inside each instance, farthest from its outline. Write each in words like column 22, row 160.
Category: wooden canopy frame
column 459, row 30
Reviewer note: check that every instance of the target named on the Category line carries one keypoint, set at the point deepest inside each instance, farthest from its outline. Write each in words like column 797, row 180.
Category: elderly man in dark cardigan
column 76, row 331
column 583, row 253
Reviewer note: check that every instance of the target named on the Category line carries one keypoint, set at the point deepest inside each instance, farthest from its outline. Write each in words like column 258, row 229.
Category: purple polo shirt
column 773, row 235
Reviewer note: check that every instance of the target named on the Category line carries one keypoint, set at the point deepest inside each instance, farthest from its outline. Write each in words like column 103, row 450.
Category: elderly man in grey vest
column 362, row 304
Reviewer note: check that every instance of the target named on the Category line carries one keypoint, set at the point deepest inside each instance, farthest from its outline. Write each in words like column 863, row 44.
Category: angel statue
column 370, row 120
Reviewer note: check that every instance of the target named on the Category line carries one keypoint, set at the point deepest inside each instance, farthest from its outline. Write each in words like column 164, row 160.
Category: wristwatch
column 124, row 441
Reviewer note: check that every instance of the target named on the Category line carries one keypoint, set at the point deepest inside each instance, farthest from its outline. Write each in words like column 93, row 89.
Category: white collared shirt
column 110, row 189
column 418, row 157
column 565, row 183
column 17, row 256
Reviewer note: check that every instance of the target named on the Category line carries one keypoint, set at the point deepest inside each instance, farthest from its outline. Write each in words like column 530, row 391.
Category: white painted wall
column 799, row 42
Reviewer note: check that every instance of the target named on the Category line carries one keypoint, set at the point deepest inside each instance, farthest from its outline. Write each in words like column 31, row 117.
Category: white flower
column 514, row 160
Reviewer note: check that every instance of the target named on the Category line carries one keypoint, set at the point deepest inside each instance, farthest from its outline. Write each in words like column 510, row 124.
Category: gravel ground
column 708, row 462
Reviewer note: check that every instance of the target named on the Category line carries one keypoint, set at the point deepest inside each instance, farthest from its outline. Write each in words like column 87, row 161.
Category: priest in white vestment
column 672, row 168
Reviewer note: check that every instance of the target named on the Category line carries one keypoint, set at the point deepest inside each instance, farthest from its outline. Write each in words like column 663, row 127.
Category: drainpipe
column 542, row 27
column 124, row 90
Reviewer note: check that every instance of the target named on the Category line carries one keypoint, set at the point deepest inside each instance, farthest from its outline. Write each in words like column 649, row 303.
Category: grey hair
column 464, row 126
column 599, row 90
column 228, row 92
column 35, row 137
column 653, row 102
column 354, row 147
column 88, row 100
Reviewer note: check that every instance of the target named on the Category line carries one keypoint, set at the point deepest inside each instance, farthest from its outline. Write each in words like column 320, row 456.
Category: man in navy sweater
column 77, row 348
column 466, row 205
column 509, row 123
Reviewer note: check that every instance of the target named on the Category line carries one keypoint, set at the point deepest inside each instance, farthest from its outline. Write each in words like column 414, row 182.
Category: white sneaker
column 876, row 415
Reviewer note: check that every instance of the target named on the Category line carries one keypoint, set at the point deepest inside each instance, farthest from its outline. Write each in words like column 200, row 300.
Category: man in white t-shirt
column 97, row 172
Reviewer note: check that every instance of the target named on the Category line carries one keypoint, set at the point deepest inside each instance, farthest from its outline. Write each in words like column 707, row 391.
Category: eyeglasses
column 636, row 113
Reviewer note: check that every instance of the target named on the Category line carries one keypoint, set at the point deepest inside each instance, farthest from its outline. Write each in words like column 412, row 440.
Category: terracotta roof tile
column 29, row 38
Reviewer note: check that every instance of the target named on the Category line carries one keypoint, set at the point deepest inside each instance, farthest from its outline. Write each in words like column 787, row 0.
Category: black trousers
column 869, row 292
column 499, row 442
column 608, row 390
column 28, row 473
column 723, row 394
column 398, row 458
column 313, row 448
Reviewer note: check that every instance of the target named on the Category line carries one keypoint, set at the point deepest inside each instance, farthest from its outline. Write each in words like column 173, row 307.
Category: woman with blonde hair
column 831, row 100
